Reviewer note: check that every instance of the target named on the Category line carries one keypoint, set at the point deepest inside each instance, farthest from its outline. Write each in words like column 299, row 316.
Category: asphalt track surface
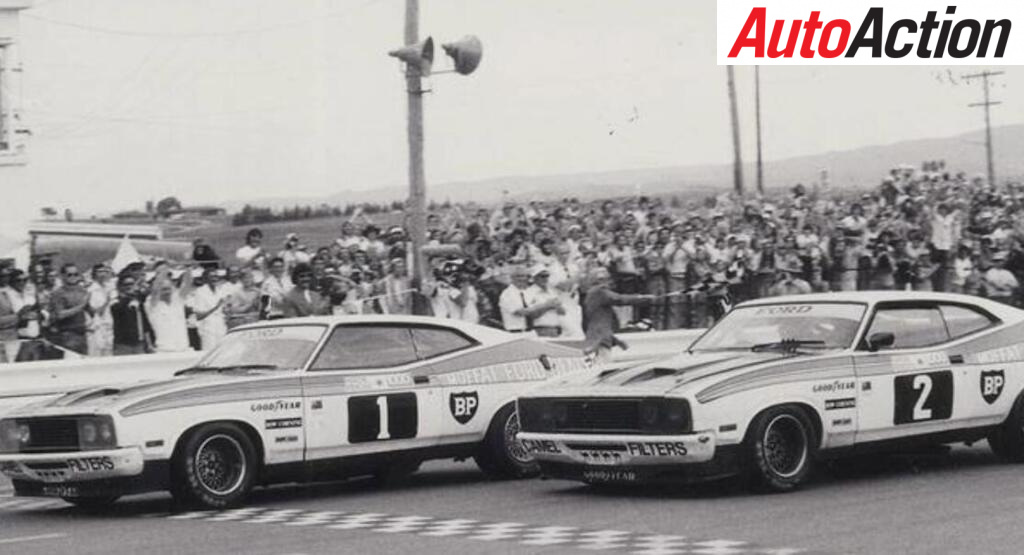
column 959, row 502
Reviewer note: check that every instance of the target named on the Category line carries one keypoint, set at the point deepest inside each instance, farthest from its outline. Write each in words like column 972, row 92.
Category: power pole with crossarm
column 988, row 120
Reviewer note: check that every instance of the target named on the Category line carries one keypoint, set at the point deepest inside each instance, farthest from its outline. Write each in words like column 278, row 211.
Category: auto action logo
column 862, row 32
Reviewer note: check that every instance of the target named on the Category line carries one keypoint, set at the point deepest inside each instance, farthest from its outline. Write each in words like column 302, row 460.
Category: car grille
column 604, row 415
column 51, row 435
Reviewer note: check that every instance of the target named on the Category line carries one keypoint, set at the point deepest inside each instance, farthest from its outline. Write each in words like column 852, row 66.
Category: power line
column 197, row 35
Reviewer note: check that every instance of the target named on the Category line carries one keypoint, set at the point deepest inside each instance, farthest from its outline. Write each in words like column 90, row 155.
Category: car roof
column 1002, row 311
column 482, row 333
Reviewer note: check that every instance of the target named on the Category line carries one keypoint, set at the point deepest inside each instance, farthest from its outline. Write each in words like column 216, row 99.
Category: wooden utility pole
column 417, row 204
column 988, row 121
column 737, row 166
column 757, row 109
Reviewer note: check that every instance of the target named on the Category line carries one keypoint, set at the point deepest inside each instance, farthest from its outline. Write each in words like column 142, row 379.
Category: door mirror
column 881, row 340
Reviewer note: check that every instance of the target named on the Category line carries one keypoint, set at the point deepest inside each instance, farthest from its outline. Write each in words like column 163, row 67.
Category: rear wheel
column 501, row 455
column 215, row 467
column 93, row 503
column 1007, row 441
column 780, row 448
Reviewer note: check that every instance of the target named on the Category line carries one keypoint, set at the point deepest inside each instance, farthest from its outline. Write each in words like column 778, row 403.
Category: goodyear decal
column 835, row 386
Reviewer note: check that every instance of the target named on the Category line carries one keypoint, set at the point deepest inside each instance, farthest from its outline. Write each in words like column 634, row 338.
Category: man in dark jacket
column 600, row 323
column 132, row 333
column 301, row 300
column 67, row 309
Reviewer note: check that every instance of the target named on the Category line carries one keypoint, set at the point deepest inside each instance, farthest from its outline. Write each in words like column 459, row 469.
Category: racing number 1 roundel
column 923, row 397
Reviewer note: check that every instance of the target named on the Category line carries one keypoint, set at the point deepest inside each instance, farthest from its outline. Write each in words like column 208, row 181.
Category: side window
column 432, row 342
column 962, row 321
column 365, row 347
column 912, row 327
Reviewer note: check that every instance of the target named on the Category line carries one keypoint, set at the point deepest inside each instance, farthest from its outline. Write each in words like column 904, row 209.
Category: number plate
column 60, row 491
column 609, row 475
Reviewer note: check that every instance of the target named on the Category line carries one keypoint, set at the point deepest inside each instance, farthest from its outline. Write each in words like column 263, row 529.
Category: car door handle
column 956, row 359
column 420, row 379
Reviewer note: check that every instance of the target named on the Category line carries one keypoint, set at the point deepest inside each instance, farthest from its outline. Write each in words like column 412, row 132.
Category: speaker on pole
column 466, row 52
column 419, row 55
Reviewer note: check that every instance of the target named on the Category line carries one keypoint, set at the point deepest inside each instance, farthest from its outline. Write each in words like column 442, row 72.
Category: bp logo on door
column 463, row 406
column 992, row 383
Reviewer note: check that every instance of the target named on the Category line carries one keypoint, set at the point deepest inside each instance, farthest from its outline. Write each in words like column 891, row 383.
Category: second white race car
column 780, row 383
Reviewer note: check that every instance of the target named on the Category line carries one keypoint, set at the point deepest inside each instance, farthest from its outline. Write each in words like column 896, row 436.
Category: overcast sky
column 211, row 100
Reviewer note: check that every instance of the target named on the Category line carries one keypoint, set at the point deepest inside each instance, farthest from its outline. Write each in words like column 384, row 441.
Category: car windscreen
column 815, row 325
column 268, row 347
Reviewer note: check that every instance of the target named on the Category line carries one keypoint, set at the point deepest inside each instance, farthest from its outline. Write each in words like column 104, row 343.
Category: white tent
column 14, row 244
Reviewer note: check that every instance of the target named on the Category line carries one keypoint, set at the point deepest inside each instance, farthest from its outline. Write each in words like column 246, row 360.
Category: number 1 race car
column 779, row 383
column 286, row 400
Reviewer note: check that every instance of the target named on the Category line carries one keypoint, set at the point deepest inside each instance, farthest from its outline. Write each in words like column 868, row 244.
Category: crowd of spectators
column 531, row 266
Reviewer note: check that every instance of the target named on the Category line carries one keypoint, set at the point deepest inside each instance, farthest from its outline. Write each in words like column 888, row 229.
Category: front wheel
column 501, row 455
column 1007, row 441
column 780, row 449
column 215, row 467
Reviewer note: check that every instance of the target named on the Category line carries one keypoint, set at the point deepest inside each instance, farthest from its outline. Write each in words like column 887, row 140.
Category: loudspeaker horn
column 466, row 52
column 419, row 55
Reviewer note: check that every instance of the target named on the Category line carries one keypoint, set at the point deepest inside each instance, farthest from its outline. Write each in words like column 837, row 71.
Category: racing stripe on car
column 657, row 371
column 273, row 388
column 819, row 369
column 516, row 361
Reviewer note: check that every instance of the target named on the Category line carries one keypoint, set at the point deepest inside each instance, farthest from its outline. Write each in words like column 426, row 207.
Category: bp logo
column 463, row 406
column 992, row 383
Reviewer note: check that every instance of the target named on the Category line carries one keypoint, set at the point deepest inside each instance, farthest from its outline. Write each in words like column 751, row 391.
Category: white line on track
column 4, row 541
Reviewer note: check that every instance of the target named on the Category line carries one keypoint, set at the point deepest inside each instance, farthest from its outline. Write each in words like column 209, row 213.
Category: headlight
column 665, row 415
column 96, row 432
column 13, row 436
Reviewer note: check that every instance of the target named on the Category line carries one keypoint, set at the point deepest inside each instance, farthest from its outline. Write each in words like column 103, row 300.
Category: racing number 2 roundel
column 923, row 397
column 382, row 417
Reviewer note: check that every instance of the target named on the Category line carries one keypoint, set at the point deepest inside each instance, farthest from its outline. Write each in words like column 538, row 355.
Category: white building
column 13, row 135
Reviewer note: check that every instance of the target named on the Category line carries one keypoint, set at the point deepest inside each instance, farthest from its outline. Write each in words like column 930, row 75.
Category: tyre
column 780, row 447
column 97, row 503
column 501, row 455
column 215, row 467
column 1007, row 441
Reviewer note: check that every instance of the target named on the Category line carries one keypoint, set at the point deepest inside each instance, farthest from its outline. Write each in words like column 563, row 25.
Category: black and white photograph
column 708, row 277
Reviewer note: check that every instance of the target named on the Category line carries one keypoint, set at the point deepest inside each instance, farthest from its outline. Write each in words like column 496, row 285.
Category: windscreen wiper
column 221, row 369
column 787, row 345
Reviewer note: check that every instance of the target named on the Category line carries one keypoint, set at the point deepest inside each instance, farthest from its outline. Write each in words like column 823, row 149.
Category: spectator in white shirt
column 251, row 255
column 513, row 304
column 274, row 288
column 165, row 307
column 207, row 302
column 545, row 304
column 102, row 293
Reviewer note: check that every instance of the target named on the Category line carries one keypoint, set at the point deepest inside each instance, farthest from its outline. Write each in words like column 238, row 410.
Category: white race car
column 288, row 400
column 779, row 383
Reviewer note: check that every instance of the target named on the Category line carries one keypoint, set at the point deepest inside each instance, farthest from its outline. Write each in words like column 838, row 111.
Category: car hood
column 114, row 397
column 664, row 375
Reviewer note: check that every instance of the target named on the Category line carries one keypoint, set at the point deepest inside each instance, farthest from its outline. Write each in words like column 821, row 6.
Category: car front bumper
column 72, row 467
column 630, row 458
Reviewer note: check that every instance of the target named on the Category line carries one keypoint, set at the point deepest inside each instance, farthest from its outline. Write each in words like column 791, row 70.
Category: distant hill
column 862, row 167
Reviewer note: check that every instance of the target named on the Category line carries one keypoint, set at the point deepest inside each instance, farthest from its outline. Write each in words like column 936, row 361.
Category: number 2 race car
column 287, row 400
column 779, row 383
